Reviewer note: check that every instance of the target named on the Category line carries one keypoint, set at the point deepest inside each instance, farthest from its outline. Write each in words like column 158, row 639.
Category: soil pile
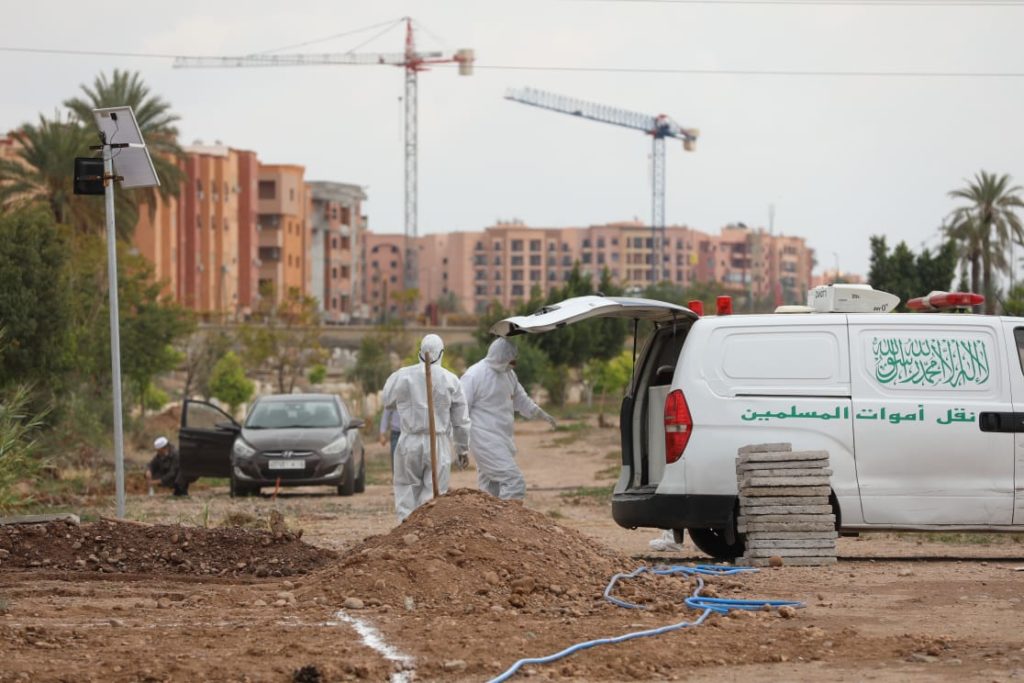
column 468, row 551
column 118, row 547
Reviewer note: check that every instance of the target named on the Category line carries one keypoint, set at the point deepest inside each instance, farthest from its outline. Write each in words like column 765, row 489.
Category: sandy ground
column 896, row 607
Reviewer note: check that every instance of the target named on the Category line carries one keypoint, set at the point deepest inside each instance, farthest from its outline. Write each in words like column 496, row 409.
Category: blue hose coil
column 695, row 601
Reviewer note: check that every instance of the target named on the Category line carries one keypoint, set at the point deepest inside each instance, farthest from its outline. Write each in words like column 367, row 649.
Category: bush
column 317, row 374
column 229, row 383
column 17, row 444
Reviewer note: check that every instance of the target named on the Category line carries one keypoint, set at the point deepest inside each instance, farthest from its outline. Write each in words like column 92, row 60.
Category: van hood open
column 579, row 308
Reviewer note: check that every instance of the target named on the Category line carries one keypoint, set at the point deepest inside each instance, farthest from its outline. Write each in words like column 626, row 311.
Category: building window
column 566, row 261
column 267, row 189
column 586, row 257
column 517, row 275
column 600, row 258
column 497, row 290
column 497, row 260
column 586, row 243
column 517, row 290
column 479, row 246
column 534, row 245
column 394, row 249
column 345, row 244
column 615, row 241
column 516, row 261
column 600, row 243
column 535, row 260
column 344, row 271
column 394, row 264
column 552, row 275
column 481, row 290
column 517, row 245
column 334, row 273
column 334, row 243
column 534, row 276
column 481, row 275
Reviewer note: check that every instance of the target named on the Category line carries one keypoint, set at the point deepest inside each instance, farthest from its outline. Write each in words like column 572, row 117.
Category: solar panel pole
column 115, row 325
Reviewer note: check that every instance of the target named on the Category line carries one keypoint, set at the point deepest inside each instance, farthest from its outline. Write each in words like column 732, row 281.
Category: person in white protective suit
column 406, row 392
column 494, row 395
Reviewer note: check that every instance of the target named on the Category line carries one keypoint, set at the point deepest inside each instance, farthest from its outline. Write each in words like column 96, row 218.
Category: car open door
column 205, row 439
column 581, row 308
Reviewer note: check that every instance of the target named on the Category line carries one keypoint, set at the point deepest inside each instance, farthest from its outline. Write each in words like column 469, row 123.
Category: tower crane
column 413, row 62
column 658, row 127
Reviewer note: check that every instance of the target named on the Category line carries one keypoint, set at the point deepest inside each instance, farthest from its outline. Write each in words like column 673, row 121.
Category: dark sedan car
column 286, row 440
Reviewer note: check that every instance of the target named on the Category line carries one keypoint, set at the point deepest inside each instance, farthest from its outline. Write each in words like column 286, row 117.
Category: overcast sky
column 841, row 158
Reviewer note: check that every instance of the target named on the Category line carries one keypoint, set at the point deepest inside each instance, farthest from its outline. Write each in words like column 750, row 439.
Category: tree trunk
column 986, row 258
column 976, row 276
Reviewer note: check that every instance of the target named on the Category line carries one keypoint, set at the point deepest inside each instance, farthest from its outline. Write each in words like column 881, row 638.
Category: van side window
column 1018, row 336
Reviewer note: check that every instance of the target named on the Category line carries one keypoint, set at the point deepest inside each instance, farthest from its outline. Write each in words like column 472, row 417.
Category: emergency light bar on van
column 944, row 301
column 850, row 299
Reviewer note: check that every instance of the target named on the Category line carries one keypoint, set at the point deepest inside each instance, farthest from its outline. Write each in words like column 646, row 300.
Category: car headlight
column 242, row 450
column 335, row 447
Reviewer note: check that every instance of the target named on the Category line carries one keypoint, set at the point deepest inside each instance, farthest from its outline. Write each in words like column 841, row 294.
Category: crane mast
column 658, row 127
column 413, row 62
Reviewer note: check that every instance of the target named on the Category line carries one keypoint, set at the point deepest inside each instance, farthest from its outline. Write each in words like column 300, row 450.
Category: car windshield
column 299, row 414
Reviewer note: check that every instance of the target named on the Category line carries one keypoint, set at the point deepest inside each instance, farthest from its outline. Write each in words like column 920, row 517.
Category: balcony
column 270, row 253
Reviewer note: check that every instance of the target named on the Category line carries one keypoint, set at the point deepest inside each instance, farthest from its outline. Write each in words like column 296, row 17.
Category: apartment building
column 283, row 236
column 505, row 262
column 335, row 223
column 156, row 238
column 383, row 265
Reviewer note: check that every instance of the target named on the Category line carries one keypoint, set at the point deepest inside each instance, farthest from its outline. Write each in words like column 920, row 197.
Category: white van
column 919, row 412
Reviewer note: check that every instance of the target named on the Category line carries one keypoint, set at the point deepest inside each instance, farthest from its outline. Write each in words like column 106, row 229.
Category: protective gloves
column 462, row 460
column 550, row 420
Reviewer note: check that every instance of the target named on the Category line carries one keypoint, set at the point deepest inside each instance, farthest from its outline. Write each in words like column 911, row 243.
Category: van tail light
column 678, row 426
column 697, row 306
column 724, row 305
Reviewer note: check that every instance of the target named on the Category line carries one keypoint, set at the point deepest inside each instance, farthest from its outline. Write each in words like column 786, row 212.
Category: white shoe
column 666, row 542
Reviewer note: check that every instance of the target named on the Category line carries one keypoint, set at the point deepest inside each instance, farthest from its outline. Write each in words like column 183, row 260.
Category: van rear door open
column 919, row 395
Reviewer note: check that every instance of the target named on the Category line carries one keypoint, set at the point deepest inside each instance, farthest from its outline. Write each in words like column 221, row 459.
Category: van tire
column 713, row 542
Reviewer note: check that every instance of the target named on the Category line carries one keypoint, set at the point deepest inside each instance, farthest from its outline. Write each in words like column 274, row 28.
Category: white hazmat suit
column 494, row 395
column 406, row 392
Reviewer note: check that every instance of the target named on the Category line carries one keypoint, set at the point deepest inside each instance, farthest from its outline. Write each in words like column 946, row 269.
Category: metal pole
column 657, row 209
column 115, row 328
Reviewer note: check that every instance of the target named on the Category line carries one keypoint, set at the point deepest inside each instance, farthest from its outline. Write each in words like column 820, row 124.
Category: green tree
column 283, row 339
column 155, row 119
column 41, row 172
column 151, row 323
column 609, row 377
column 201, row 352
column 1014, row 302
column 909, row 275
column 229, row 383
column 985, row 228
column 317, row 374
column 373, row 361
column 34, row 306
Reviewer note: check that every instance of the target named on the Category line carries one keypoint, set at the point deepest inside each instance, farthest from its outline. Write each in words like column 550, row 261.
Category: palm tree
column 41, row 172
column 155, row 119
column 986, row 227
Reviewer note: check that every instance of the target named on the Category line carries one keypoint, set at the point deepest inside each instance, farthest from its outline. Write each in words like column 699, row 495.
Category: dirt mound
column 119, row 547
column 469, row 551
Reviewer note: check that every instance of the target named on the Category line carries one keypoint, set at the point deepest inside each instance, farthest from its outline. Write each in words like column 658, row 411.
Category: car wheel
column 712, row 542
column 348, row 483
column 361, row 479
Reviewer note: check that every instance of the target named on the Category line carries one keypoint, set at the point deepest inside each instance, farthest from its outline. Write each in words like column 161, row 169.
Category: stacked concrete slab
column 784, row 507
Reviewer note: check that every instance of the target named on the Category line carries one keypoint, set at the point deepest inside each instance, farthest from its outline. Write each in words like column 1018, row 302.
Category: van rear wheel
column 713, row 542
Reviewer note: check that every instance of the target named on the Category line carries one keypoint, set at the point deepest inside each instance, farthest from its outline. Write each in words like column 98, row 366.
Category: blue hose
column 695, row 601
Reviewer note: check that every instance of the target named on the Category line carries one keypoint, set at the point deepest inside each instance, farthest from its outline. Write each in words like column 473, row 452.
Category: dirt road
column 470, row 585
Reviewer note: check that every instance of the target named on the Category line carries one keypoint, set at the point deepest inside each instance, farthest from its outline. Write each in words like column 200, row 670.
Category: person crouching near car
column 165, row 468
column 406, row 392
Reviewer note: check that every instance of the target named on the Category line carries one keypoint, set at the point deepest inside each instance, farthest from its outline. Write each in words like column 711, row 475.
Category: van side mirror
column 355, row 423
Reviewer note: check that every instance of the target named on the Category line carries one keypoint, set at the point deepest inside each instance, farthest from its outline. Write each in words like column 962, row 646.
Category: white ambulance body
column 919, row 413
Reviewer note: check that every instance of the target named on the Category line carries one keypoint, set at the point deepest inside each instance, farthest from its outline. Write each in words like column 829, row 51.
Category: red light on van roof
column 723, row 305
column 938, row 301
column 696, row 305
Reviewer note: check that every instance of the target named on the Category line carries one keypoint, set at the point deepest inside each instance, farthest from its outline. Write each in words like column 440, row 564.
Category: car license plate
column 286, row 464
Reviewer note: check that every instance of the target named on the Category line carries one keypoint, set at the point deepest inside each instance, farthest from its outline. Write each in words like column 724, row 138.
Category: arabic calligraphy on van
column 930, row 362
